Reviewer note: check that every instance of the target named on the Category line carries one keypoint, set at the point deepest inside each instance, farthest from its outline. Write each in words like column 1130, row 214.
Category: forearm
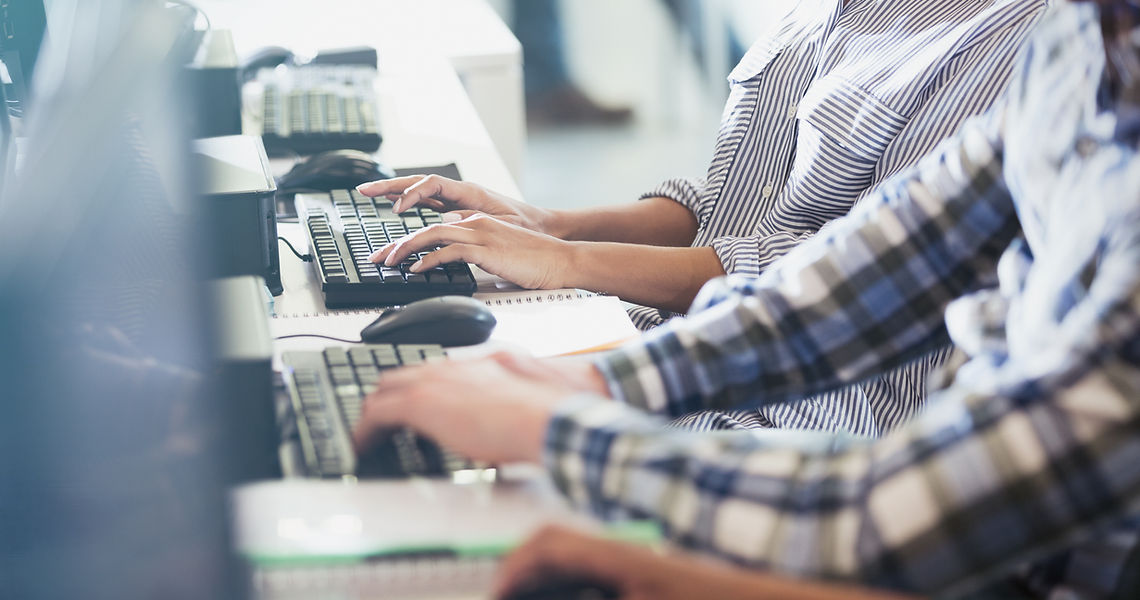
column 667, row 278
column 861, row 298
column 652, row 221
column 876, row 512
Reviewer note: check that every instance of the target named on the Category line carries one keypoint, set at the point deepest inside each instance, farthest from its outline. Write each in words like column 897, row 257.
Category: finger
column 521, row 364
column 388, row 187
column 381, row 254
column 376, row 416
column 468, row 253
column 430, row 237
column 458, row 215
column 448, row 191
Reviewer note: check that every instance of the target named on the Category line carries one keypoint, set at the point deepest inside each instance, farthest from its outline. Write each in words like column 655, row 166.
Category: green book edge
column 636, row 532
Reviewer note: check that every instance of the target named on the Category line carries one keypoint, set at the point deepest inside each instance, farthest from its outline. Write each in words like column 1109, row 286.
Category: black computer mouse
column 564, row 587
column 446, row 320
column 264, row 58
column 333, row 170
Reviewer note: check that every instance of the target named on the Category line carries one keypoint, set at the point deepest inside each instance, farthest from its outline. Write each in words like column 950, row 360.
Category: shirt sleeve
column 1010, row 461
column 686, row 191
column 864, row 296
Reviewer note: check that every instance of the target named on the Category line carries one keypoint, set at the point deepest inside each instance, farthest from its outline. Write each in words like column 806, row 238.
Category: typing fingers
column 447, row 193
column 429, row 237
column 388, row 187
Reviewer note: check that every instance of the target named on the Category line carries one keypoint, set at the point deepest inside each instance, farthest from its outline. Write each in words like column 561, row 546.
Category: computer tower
column 239, row 190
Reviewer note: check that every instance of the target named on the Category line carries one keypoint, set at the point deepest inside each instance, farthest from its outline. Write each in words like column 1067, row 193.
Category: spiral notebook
column 540, row 322
column 397, row 539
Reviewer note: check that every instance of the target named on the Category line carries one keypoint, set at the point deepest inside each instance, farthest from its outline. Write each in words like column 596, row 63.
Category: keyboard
column 345, row 227
column 327, row 390
column 313, row 108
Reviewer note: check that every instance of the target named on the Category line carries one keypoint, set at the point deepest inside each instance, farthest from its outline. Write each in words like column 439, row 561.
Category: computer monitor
column 115, row 440
column 6, row 167
column 22, row 27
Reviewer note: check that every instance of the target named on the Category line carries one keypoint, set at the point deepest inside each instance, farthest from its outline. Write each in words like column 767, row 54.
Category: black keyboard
column 314, row 108
column 345, row 227
column 327, row 390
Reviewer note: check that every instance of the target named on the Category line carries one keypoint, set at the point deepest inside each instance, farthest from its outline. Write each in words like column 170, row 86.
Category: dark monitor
column 7, row 154
column 22, row 27
column 115, row 441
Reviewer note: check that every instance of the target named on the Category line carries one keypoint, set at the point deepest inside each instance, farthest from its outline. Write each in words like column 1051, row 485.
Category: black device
column 271, row 57
column 7, row 141
column 327, row 390
column 333, row 170
column 243, row 351
column 238, row 193
column 345, row 227
column 23, row 24
column 446, row 320
column 328, row 103
column 212, row 75
column 564, row 587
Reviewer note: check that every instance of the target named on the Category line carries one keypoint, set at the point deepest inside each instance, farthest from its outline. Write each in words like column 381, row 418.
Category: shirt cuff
column 582, row 434
column 632, row 376
column 685, row 191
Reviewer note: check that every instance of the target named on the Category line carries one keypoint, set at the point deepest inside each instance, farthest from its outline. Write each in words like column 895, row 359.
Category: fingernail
column 450, row 217
column 396, row 205
column 416, row 266
column 375, row 256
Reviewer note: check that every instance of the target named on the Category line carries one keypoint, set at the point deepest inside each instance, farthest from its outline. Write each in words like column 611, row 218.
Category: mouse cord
column 303, row 257
column 317, row 335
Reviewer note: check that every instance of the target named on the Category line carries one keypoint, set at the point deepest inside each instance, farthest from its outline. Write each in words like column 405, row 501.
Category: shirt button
column 767, row 191
column 792, row 111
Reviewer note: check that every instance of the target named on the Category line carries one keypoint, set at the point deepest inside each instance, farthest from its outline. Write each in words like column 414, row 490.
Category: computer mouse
column 445, row 320
column 265, row 58
column 564, row 587
column 333, row 170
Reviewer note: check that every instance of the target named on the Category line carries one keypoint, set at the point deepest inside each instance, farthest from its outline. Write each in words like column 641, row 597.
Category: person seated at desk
column 842, row 95
column 1019, row 239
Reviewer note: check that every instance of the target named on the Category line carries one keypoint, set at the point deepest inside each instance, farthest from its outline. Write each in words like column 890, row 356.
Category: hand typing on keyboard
column 462, row 199
column 526, row 258
column 493, row 410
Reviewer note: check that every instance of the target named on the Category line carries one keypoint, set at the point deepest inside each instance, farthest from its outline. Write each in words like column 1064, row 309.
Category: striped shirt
column 1019, row 240
column 835, row 101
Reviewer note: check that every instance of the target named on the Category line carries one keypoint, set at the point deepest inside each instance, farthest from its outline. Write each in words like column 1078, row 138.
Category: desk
column 426, row 118
column 466, row 34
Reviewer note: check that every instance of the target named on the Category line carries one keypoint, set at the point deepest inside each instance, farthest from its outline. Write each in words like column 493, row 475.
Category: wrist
column 556, row 223
column 574, row 269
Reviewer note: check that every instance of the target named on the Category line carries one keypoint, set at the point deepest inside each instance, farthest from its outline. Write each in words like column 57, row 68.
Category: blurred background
column 629, row 94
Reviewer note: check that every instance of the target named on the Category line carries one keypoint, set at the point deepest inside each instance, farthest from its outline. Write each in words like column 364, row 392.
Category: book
column 540, row 322
column 415, row 538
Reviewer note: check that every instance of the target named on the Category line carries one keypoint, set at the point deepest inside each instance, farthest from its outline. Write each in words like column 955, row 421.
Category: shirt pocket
column 850, row 118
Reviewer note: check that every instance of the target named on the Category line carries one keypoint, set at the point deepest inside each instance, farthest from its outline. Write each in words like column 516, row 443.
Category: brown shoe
column 567, row 105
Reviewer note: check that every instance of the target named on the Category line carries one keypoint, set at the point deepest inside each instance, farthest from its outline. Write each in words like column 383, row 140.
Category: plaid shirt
column 1020, row 240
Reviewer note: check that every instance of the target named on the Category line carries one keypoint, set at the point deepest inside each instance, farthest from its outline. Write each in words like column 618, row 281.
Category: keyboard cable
column 303, row 257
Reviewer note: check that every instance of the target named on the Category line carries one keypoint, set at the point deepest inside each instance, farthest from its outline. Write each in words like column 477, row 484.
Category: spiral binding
column 535, row 297
column 389, row 578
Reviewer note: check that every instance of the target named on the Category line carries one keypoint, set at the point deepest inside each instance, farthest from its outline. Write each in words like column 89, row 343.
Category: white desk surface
column 467, row 34
column 426, row 119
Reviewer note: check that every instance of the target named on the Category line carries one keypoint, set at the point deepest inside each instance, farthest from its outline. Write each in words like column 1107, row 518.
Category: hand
column 476, row 408
column 573, row 372
column 459, row 199
column 641, row 574
column 526, row 258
